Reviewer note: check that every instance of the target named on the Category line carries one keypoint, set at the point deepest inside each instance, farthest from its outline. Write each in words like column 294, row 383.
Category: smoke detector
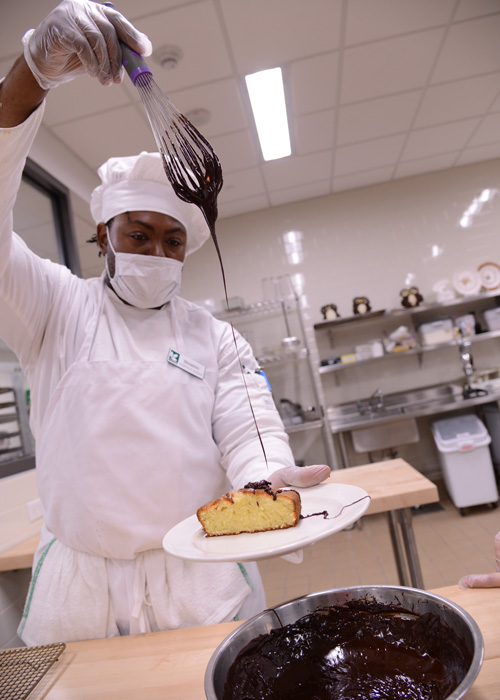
column 168, row 56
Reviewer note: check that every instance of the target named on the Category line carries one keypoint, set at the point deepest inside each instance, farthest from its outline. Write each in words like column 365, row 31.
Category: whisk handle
column 133, row 62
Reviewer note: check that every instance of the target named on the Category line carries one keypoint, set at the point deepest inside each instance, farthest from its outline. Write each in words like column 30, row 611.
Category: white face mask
column 144, row 281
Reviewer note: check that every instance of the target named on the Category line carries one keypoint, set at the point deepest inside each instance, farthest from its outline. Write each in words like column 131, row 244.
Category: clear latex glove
column 484, row 580
column 80, row 37
column 299, row 476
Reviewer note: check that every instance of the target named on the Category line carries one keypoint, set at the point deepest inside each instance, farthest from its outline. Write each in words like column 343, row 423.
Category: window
column 43, row 219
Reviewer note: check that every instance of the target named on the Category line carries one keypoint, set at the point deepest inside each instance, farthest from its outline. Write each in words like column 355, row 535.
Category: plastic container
column 463, row 445
column 437, row 332
column 491, row 414
column 492, row 319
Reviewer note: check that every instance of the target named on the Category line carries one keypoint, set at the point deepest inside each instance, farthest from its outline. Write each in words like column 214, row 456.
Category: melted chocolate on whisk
column 203, row 192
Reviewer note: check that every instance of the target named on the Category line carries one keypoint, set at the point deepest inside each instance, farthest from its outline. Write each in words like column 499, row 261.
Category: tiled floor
column 448, row 544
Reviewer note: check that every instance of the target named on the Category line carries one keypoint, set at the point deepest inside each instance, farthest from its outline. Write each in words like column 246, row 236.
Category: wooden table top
column 392, row 484
column 172, row 664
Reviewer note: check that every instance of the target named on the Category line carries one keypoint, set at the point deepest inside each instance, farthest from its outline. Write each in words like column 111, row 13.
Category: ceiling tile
column 496, row 105
column 389, row 66
column 375, row 118
column 311, row 95
column 265, row 34
column 295, row 194
column 475, row 8
column 487, row 132
column 314, row 132
column 368, row 155
column 18, row 17
column 368, row 177
column 457, row 100
column 367, row 21
column 297, row 170
column 235, row 151
column 242, row 184
column 222, row 99
column 471, row 48
column 243, row 206
column 133, row 10
column 196, row 30
column 439, row 139
column 96, row 138
column 82, row 97
column 425, row 165
column 474, row 155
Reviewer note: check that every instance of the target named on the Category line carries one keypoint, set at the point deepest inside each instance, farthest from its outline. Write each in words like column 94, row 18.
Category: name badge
column 184, row 363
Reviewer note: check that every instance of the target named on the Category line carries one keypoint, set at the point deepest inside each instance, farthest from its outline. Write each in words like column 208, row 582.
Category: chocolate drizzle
column 326, row 515
column 200, row 187
column 263, row 486
column 356, row 651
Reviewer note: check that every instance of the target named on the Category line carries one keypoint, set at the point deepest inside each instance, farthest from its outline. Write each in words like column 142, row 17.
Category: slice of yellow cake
column 254, row 508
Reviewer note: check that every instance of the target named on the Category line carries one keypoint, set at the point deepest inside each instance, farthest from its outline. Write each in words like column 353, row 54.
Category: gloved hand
column 484, row 580
column 80, row 37
column 299, row 476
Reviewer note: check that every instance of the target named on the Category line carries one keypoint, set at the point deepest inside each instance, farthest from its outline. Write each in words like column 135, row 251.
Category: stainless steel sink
column 396, row 405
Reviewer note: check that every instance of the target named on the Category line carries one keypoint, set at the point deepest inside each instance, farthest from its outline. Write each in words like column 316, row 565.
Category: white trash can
column 465, row 458
column 491, row 414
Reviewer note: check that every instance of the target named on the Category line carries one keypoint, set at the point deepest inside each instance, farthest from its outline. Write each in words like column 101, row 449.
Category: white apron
column 125, row 450
column 115, row 473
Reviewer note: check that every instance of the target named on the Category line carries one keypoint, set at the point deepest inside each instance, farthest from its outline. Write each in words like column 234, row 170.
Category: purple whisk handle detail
column 133, row 63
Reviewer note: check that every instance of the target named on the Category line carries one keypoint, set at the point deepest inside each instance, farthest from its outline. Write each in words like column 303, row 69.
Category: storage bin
column 492, row 319
column 463, row 445
column 491, row 414
column 437, row 332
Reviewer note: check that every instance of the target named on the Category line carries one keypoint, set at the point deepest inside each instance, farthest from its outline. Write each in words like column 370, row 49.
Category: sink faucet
column 376, row 400
column 466, row 357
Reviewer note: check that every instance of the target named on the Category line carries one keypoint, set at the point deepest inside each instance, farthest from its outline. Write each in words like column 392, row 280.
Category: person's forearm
column 20, row 95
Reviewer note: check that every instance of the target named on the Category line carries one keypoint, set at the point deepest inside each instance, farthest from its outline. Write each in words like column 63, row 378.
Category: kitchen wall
column 371, row 241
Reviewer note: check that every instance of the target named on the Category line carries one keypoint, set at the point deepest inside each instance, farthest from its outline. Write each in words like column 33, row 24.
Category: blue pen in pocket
column 260, row 371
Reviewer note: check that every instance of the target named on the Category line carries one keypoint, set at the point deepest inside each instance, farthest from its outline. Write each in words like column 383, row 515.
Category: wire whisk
column 191, row 165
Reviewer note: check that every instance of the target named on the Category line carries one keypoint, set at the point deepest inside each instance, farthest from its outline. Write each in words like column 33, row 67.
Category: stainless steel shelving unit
column 260, row 311
column 14, row 412
column 432, row 310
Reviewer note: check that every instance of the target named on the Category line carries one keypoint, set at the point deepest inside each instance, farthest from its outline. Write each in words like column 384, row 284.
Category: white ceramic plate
column 467, row 282
column 345, row 504
column 490, row 275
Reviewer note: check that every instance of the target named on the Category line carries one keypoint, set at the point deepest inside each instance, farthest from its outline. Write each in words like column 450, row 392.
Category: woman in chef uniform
column 139, row 409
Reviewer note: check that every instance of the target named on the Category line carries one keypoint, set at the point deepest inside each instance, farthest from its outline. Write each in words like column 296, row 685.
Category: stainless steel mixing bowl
column 418, row 601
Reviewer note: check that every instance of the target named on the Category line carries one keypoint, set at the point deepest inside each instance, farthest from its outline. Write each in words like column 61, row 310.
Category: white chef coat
column 115, row 470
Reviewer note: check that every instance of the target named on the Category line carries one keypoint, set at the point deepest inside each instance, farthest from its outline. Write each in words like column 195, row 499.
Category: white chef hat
column 139, row 183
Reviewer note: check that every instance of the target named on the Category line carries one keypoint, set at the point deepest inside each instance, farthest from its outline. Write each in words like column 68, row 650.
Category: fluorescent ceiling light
column 267, row 98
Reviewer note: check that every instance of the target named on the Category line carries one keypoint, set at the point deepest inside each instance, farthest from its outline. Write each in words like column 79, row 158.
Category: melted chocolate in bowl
column 354, row 654
column 363, row 648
